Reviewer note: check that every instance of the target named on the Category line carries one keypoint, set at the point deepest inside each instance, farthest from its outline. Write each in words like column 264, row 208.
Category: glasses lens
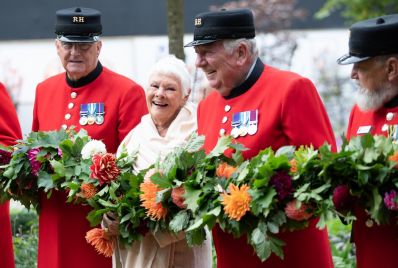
column 80, row 46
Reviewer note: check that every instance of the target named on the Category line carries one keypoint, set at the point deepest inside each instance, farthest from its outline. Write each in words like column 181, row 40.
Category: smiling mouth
column 160, row 104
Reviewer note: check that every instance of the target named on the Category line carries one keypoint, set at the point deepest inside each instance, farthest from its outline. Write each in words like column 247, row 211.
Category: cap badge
column 78, row 19
column 198, row 22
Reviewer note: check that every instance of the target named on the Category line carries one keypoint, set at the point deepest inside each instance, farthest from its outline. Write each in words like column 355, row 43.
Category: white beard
column 372, row 100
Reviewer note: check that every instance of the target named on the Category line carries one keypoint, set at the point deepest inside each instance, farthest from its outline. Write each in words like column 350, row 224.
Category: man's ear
column 392, row 68
column 243, row 54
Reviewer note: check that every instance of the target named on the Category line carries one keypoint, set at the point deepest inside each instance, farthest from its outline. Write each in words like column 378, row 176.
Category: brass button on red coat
column 68, row 116
column 71, row 105
column 73, row 95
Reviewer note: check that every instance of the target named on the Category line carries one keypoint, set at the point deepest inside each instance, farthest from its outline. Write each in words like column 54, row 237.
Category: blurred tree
column 175, row 27
column 272, row 18
column 357, row 10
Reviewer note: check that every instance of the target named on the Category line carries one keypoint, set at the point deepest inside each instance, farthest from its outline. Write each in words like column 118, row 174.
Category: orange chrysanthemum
column 225, row 170
column 87, row 190
column 148, row 200
column 237, row 202
column 293, row 165
column 394, row 158
column 102, row 242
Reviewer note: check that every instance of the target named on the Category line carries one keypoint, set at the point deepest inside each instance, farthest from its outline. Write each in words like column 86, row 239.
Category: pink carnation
column 390, row 200
column 35, row 165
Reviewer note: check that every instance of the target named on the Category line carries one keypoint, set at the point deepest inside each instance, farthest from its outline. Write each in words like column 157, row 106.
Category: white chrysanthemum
column 93, row 147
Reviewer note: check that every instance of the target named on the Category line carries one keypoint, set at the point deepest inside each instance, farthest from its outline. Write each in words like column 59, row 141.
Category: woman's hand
column 110, row 223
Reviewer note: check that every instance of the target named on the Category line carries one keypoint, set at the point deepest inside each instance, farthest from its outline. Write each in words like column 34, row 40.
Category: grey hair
column 231, row 44
column 170, row 65
column 383, row 58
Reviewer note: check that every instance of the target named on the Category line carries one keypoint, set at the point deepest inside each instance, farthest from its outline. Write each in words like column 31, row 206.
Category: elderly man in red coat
column 9, row 132
column 261, row 107
column 373, row 51
column 89, row 96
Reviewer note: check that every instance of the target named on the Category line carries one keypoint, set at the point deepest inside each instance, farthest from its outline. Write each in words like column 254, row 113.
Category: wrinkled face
column 374, row 90
column 219, row 66
column 78, row 59
column 165, row 97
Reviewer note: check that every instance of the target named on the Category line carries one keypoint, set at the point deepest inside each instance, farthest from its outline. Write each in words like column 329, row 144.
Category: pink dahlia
column 35, row 165
column 390, row 200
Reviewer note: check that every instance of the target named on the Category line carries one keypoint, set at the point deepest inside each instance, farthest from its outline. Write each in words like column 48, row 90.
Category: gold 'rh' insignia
column 78, row 19
column 198, row 21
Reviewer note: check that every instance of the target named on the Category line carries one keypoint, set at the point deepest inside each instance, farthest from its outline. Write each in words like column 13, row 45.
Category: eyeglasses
column 80, row 46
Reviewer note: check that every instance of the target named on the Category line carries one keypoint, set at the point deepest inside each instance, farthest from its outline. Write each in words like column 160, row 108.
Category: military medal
column 83, row 115
column 253, row 122
column 364, row 129
column 99, row 119
column 392, row 133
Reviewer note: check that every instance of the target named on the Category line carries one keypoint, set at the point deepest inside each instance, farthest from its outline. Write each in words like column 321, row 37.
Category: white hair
column 231, row 44
column 170, row 65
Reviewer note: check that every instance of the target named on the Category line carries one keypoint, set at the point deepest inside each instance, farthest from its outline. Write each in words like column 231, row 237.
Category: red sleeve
column 304, row 116
column 10, row 129
column 132, row 108
column 35, row 122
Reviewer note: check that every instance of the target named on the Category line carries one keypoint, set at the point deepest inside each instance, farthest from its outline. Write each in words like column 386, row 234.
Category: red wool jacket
column 9, row 132
column 62, row 226
column 376, row 246
column 289, row 112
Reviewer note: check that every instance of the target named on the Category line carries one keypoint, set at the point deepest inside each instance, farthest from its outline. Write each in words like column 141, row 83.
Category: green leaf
column 161, row 181
column 44, row 181
column 58, row 167
column 191, row 198
column 222, row 144
column 179, row 222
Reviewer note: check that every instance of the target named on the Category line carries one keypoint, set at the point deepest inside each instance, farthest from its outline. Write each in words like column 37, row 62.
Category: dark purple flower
column 282, row 182
column 342, row 198
column 34, row 164
column 390, row 200
column 5, row 157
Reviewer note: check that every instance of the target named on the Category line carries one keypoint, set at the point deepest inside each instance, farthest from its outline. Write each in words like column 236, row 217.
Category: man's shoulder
column 117, row 78
column 55, row 79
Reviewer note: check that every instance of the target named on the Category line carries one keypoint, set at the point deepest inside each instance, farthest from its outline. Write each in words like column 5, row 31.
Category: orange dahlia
column 87, row 190
column 225, row 170
column 102, row 242
column 394, row 158
column 293, row 165
column 177, row 196
column 304, row 212
column 237, row 202
column 148, row 200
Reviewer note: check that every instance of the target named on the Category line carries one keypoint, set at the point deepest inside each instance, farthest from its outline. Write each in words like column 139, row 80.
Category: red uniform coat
column 290, row 112
column 376, row 246
column 9, row 132
column 62, row 226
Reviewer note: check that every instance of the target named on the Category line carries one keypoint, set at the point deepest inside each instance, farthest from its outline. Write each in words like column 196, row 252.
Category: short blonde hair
column 170, row 65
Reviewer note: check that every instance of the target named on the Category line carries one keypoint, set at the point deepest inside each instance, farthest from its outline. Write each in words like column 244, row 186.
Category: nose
column 160, row 92
column 75, row 50
column 354, row 72
column 200, row 60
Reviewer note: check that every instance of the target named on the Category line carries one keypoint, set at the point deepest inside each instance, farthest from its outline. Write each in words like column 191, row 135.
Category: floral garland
column 190, row 190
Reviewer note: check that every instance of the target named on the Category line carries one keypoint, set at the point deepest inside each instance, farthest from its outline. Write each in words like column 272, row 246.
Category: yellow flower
column 293, row 165
column 225, row 170
column 102, row 242
column 148, row 200
column 394, row 158
column 237, row 203
column 87, row 190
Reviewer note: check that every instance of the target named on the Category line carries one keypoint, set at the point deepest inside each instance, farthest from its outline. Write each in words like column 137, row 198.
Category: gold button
column 64, row 126
column 67, row 116
column 222, row 132
column 70, row 105
column 73, row 95
column 224, row 119
column 227, row 108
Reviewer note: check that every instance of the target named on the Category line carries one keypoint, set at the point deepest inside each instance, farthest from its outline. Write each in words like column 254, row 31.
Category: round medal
column 83, row 120
column 252, row 129
column 99, row 119
column 91, row 120
column 235, row 132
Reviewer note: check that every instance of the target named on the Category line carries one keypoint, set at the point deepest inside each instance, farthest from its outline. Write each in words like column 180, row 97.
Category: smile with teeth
column 159, row 104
